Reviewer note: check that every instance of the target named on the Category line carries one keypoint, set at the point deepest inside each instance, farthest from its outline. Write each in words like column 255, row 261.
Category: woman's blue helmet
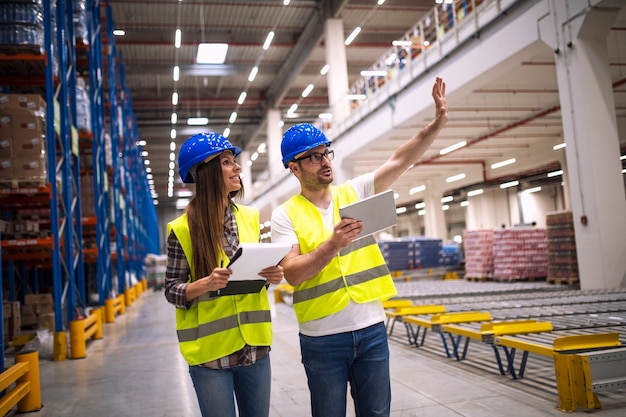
column 299, row 139
column 199, row 149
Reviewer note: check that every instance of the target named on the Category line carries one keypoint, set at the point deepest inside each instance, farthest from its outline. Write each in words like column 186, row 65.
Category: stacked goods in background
column 12, row 320
column 155, row 270
column 562, row 258
column 428, row 252
column 451, row 255
column 478, row 248
column 22, row 139
column 520, row 254
column 38, row 311
column 399, row 254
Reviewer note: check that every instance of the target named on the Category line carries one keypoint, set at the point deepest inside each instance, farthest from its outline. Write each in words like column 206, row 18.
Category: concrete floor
column 137, row 370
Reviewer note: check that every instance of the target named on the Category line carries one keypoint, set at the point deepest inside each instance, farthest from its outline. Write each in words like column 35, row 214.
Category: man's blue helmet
column 299, row 139
column 199, row 149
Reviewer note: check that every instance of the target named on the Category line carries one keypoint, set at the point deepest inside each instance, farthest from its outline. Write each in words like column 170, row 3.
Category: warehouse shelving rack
column 125, row 217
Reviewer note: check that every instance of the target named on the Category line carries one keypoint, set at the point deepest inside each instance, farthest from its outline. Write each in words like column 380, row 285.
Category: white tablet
column 377, row 212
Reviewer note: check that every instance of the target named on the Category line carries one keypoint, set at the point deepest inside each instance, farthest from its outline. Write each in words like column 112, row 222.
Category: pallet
column 520, row 279
column 482, row 278
column 20, row 184
column 571, row 281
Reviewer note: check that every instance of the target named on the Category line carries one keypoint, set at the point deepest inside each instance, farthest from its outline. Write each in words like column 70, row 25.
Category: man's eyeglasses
column 316, row 158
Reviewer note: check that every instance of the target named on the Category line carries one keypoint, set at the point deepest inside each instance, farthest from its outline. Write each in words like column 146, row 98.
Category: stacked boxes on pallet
column 451, row 255
column 22, row 137
column 38, row 311
column 562, row 259
column 478, row 246
column 520, row 254
column 398, row 254
column 428, row 253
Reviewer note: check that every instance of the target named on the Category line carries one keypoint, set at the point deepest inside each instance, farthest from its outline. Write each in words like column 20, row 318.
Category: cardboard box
column 6, row 136
column 26, row 124
column 29, row 168
column 33, row 102
column 6, row 168
column 46, row 321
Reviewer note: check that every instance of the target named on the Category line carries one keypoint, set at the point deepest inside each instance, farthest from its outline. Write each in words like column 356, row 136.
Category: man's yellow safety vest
column 214, row 327
column 358, row 272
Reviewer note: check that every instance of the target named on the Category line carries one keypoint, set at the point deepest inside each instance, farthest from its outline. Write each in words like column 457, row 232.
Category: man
column 339, row 286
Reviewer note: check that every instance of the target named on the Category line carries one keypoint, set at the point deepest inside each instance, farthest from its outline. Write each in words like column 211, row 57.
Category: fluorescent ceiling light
column 211, row 53
column 421, row 205
column 268, row 41
column 119, row 32
column 253, row 73
column 324, row 69
column 177, row 38
column 447, row 199
column 184, row 193
column 380, row 2
column 242, row 97
column 174, row 118
column 172, row 146
column 286, row 2
column 174, row 99
column 233, row 117
column 173, row 134
column 455, row 177
column 226, row 132
column 464, row 203
column 379, row 73
column 421, row 212
column 396, row 196
column 503, row 163
column 198, row 121
column 176, row 73
column 531, row 190
column 254, row 156
column 353, row 35
column 445, row 207
column 325, row 116
column 509, row 184
column 182, row 203
column 555, row 173
column 293, row 108
column 416, row 190
column 307, row 90
column 559, row 146
column 262, row 148
column 402, row 43
column 475, row 192
column 401, row 210
column 621, row 158
column 453, row 147
column 356, row 96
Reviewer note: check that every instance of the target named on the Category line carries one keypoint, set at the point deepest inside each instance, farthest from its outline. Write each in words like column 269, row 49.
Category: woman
column 224, row 339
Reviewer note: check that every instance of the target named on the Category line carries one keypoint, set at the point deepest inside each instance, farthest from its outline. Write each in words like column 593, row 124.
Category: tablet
column 377, row 212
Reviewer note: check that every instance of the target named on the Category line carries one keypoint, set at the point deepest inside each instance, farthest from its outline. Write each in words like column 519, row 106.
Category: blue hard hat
column 299, row 139
column 197, row 149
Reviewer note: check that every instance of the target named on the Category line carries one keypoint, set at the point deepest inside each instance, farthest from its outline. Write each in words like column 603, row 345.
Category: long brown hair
column 205, row 214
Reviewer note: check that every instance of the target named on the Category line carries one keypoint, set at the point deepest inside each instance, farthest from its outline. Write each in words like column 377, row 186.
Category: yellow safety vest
column 358, row 272
column 214, row 327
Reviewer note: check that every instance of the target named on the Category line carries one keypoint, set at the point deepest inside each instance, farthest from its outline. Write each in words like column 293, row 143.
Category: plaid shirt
column 176, row 276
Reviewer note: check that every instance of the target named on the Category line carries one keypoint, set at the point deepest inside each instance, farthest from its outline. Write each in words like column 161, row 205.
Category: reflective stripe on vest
column 214, row 327
column 358, row 272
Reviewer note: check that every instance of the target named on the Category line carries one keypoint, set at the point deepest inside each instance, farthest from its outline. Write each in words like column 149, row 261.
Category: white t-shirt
column 355, row 316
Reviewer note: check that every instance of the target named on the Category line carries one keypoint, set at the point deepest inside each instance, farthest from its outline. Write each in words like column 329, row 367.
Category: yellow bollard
column 77, row 339
column 109, row 306
column 59, row 346
column 32, row 401
column 98, row 333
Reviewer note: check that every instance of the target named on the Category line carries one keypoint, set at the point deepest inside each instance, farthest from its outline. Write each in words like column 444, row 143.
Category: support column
column 274, row 137
column 434, row 219
column 579, row 39
column 246, row 172
column 337, row 76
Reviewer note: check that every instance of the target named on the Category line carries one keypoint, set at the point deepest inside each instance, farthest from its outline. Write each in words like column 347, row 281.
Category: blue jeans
column 360, row 358
column 250, row 385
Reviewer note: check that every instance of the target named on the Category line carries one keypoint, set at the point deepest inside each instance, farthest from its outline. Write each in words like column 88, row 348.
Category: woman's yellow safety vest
column 358, row 272
column 214, row 327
